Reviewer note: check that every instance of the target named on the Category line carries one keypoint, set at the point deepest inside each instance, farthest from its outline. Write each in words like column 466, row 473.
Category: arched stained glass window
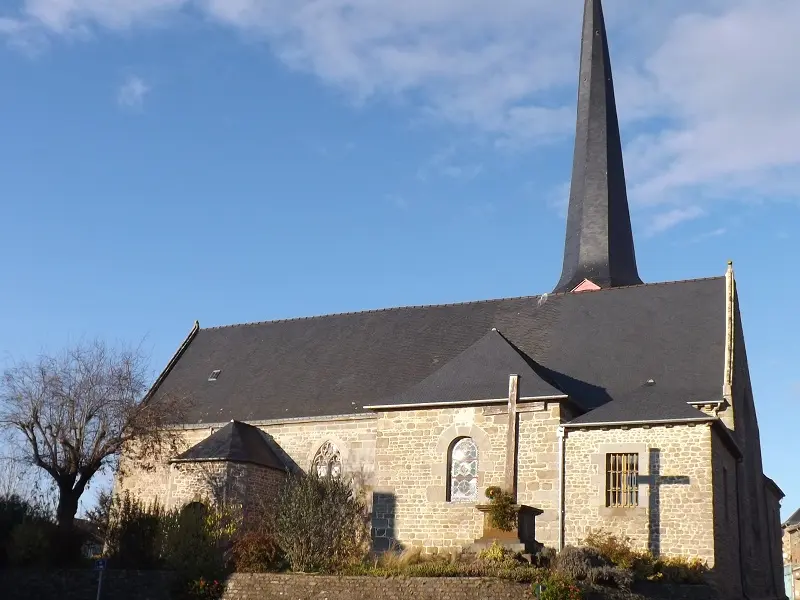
column 327, row 461
column 464, row 471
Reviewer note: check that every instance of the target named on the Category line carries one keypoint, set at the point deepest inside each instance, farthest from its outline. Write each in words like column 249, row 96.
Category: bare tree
column 79, row 410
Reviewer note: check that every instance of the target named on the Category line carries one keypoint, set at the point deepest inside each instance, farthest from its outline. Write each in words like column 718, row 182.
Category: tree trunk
column 67, row 507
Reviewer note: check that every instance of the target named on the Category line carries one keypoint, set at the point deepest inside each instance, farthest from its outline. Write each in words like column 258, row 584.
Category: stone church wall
column 760, row 546
column 674, row 517
column 412, row 466
column 727, row 563
column 153, row 483
column 354, row 437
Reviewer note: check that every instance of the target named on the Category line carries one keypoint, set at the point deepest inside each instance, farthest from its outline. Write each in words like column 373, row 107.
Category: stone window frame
column 598, row 478
column 344, row 452
column 441, row 468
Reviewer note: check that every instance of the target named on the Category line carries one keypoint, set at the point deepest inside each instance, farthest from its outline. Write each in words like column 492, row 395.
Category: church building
column 605, row 403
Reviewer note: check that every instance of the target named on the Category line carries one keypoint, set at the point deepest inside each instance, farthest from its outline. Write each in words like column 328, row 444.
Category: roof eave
column 775, row 487
column 638, row 423
column 231, row 460
column 413, row 405
column 172, row 362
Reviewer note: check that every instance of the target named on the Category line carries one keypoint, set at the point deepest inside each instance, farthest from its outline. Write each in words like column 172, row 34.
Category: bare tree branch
column 79, row 410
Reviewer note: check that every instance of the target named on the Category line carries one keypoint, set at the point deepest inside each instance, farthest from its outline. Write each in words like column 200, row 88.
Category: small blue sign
column 100, row 564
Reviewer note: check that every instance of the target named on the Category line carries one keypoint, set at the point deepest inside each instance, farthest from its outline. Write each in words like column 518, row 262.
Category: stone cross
column 511, row 436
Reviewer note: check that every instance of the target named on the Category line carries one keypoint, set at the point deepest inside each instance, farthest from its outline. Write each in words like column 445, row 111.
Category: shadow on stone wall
column 383, row 514
column 655, row 481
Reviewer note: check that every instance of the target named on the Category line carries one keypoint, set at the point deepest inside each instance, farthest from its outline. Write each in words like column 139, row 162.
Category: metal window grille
column 622, row 485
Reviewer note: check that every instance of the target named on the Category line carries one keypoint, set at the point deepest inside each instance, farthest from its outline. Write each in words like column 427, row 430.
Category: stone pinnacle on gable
column 599, row 241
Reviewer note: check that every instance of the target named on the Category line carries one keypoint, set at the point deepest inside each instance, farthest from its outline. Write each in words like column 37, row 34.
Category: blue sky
column 230, row 161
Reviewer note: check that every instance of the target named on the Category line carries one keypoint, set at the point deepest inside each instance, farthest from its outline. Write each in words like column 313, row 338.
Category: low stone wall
column 265, row 586
column 155, row 585
column 18, row 584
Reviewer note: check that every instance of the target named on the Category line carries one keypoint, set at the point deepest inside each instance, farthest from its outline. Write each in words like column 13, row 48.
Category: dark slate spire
column 599, row 244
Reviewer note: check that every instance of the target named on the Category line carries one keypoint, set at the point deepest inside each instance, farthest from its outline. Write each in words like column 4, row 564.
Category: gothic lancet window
column 327, row 461
column 463, row 471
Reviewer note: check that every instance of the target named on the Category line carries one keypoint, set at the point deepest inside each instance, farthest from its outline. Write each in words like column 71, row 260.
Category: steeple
column 599, row 241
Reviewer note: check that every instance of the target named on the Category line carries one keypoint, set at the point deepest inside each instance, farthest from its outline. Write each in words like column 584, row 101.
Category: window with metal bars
column 622, row 485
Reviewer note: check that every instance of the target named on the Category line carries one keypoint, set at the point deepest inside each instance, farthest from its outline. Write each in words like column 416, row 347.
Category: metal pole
column 100, row 584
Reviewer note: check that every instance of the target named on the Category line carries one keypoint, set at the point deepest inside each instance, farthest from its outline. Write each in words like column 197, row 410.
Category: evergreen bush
column 502, row 511
column 321, row 523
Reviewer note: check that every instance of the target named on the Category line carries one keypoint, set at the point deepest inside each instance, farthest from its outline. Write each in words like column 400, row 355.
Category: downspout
column 561, row 462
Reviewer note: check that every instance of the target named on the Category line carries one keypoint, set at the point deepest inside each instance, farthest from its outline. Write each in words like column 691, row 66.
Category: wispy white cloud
column 132, row 92
column 720, row 231
column 706, row 88
column 446, row 162
column 662, row 221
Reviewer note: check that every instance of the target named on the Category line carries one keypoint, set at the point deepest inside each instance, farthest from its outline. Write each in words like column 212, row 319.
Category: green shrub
column 502, row 511
column 553, row 586
column 611, row 576
column 14, row 512
column 616, row 549
column 134, row 533
column 545, row 557
column 578, row 563
column 30, row 544
column 619, row 551
column 197, row 539
column 495, row 553
column 680, row 570
column 204, row 589
column 256, row 551
column 419, row 565
column 321, row 523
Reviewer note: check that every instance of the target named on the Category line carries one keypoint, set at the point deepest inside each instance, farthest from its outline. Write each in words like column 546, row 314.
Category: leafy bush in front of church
column 618, row 550
column 134, row 533
column 549, row 585
column 578, row 563
column 321, row 523
column 680, row 570
column 256, row 551
column 502, row 511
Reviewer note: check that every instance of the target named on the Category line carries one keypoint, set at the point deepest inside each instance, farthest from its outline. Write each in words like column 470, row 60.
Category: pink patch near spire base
column 586, row 286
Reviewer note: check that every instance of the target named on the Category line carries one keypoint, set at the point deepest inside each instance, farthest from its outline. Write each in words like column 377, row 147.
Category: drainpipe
column 561, row 437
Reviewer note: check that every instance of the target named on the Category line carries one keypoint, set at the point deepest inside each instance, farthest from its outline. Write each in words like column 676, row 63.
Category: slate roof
column 794, row 520
column 645, row 403
column 236, row 442
column 480, row 372
column 593, row 346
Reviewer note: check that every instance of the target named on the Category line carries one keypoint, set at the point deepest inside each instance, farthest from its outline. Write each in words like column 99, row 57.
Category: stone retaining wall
column 265, row 586
column 155, row 585
column 82, row 585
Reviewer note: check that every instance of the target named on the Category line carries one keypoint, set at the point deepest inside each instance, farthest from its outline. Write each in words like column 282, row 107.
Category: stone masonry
column 675, row 513
column 727, row 565
column 411, row 465
column 688, row 476
column 298, row 440
column 154, row 585
column 251, row 486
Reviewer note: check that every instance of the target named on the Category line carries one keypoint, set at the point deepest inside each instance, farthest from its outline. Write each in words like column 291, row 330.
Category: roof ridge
column 447, row 304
